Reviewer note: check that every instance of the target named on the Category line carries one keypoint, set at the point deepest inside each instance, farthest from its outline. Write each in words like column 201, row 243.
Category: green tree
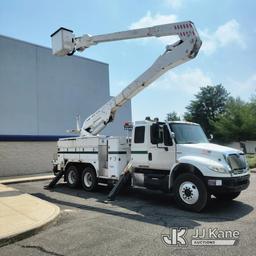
column 238, row 123
column 209, row 103
column 172, row 116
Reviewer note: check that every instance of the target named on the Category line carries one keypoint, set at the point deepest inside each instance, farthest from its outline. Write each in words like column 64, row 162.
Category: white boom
column 64, row 42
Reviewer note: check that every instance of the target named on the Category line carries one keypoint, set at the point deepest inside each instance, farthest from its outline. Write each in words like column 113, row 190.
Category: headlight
column 217, row 168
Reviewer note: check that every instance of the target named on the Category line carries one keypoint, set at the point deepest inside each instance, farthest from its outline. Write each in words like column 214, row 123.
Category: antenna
column 78, row 129
column 78, row 122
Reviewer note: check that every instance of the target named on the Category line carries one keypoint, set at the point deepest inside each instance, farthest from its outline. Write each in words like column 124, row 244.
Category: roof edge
column 45, row 47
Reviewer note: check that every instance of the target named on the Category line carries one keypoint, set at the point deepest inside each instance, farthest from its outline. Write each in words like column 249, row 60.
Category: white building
column 248, row 146
column 40, row 95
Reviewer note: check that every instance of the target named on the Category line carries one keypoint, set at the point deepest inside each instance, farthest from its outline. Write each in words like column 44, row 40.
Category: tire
column 73, row 176
column 190, row 192
column 89, row 179
column 227, row 196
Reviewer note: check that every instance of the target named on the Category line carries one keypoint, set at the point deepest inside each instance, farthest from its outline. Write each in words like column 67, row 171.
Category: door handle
column 150, row 156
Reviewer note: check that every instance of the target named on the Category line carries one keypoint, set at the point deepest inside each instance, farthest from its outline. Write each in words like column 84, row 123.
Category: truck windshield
column 188, row 133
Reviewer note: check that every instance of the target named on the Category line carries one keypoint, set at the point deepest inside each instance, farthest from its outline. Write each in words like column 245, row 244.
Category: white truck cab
column 178, row 157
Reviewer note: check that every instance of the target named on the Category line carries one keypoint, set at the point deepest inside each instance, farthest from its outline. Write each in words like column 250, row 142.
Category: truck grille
column 237, row 163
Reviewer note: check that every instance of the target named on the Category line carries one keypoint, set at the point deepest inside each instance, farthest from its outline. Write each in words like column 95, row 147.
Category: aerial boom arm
column 65, row 43
column 157, row 31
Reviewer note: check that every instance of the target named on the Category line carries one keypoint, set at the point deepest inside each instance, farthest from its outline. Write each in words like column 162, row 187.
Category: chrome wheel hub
column 72, row 177
column 88, row 179
column 188, row 192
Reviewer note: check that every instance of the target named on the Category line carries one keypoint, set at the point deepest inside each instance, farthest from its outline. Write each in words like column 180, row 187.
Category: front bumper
column 226, row 185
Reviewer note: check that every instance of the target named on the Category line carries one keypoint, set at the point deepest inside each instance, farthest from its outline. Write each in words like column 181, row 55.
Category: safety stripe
column 77, row 152
column 33, row 137
column 139, row 152
column 118, row 152
column 91, row 152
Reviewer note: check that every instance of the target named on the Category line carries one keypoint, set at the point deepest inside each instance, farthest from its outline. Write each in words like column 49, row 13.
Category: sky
column 226, row 27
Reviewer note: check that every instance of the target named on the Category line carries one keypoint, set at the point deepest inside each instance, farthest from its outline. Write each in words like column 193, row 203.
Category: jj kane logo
column 201, row 237
column 176, row 237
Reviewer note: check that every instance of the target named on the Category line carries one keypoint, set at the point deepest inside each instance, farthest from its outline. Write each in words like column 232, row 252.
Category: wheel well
column 185, row 168
column 79, row 166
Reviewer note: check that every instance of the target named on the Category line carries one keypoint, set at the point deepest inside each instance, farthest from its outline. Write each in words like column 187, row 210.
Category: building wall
column 235, row 145
column 249, row 147
column 18, row 158
column 40, row 94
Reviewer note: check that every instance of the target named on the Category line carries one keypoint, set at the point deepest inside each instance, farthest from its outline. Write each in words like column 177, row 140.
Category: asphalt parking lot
column 134, row 223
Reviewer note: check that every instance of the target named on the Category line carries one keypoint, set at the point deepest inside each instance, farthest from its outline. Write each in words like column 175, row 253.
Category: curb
column 28, row 233
column 24, row 204
column 24, row 180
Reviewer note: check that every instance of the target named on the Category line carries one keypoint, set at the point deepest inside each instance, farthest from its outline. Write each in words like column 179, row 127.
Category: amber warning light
column 128, row 125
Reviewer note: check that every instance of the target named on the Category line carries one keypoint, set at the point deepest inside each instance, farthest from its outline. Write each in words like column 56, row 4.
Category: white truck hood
column 205, row 151
column 208, row 154
column 204, row 147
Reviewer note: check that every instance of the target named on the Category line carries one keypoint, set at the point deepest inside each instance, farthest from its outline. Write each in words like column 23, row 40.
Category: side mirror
column 172, row 135
column 211, row 137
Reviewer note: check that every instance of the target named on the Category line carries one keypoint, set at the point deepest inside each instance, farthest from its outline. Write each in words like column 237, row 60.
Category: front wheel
column 89, row 179
column 190, row 192
column 227, row 196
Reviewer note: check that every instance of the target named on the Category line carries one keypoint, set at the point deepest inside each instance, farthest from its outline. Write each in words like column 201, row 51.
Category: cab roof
column 149, row 122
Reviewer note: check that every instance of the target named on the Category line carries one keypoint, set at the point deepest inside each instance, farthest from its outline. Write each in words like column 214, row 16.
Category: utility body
column 169, row 156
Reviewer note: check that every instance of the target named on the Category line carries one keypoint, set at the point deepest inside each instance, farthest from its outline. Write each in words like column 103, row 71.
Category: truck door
column 139, row 149
column 161, row 153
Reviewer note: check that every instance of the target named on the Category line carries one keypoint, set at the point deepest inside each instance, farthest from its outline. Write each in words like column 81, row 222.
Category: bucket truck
column 173, row 157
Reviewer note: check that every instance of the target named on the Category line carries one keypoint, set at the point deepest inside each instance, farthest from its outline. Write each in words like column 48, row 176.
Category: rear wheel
column 89, row 179
column 190, row 192
column 72, row 176
column 227, row 196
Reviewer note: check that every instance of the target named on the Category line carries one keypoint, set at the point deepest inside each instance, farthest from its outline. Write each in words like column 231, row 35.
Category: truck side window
column 156, row 134
column 139, row 134
column 167, row 137
column 161, row 135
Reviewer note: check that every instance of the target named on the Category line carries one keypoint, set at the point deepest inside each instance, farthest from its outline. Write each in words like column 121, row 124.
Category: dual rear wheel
column 86, row 177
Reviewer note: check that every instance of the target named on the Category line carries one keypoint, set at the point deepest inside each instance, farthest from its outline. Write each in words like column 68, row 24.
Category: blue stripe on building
column 32, row 137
